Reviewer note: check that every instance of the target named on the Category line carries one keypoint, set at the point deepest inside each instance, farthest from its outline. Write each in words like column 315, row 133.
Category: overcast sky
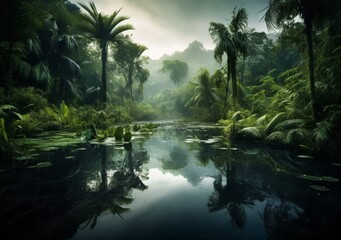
column 166, row 26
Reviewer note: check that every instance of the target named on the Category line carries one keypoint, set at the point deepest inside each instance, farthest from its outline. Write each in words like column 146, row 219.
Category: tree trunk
column 234, row 82
column 104, row 74
column 309, row 35
column 227, row 82
column 130, row 81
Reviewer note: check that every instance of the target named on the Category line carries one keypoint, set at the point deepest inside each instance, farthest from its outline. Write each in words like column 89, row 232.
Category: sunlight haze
column 167, row 26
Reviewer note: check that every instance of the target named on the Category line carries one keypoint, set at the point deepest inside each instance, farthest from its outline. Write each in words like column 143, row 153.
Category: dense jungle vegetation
column 67, row 66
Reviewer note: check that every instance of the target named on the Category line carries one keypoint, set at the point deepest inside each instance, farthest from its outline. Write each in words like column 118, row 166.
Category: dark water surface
column 181, row 182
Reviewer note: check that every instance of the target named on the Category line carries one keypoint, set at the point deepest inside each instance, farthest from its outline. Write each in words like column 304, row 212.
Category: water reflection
column 54, row 202
column 179, row 183
column 232, row 190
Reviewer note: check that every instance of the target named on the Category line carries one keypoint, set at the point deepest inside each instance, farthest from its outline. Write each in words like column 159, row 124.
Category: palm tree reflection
column 115, row 186
column 232, row 191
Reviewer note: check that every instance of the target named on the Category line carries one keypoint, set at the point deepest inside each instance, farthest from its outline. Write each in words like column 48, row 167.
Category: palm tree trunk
column 227, row 82
column 104, row 75
column 234, row 82
column 309, row 35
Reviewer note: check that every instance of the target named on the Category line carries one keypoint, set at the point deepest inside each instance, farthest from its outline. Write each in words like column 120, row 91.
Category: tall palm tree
column 232, row 41
column 279, row 12
column 105, row 29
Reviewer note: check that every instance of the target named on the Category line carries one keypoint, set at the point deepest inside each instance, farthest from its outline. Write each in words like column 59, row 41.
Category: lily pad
column 80, row 149
column 70, row 157
column 336, row 164
column 319, row 188
column 309, row 177
column 329, row 179
column 41, row 165
column 305, row 156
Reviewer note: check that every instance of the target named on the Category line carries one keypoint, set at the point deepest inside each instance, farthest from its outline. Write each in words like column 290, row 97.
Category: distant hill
column 195, row 55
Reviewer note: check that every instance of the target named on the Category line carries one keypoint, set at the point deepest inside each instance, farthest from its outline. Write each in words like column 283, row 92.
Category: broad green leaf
column 336, row 164
column 18, row 115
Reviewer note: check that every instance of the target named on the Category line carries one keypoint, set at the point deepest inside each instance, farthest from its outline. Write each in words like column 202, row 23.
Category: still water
column 180, row 182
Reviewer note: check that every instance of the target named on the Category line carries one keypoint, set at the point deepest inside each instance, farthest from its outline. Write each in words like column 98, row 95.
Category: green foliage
column 143, row 112
column 29, row 99
column 119, row 133
column 178, row 70
column 250, row 133
column 3, row 131
column 105, row 29
column 127, row 136
column 274, row 121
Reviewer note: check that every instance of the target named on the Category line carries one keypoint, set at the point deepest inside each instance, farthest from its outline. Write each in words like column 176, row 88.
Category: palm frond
column 41, row 73
column 71, row 66
column 118, row 30
column 92, row 10
column 76, row 92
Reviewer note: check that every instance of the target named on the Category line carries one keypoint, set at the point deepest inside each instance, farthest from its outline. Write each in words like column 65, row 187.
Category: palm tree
column 105, row 29
column 204, row 91
column 232, row 41
column 18, row 23
column 280, row 12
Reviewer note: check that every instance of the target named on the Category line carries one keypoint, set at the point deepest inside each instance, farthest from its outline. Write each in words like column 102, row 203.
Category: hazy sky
column 166, row 26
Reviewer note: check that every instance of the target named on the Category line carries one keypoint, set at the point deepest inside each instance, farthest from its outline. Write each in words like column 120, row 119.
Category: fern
column 289, row 124
column 274, row 121
column 261, row 120
column 277, row 137
column 323, row 133
column 296, row 136
column 251, row 133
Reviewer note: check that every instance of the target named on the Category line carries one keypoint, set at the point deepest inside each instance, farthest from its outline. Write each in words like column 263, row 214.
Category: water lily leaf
column 319, row 188
column 329, row 179
column 80, row 149
column 305, row 156
column 309, row 177
column 41, row 165
column 70, row 157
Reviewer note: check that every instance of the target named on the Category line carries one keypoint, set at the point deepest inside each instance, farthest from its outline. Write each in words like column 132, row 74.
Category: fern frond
column 251, row 133
column 322, row 133
column 289, row 124
column 277, row 137
column 274, row 121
